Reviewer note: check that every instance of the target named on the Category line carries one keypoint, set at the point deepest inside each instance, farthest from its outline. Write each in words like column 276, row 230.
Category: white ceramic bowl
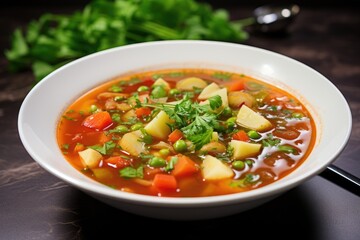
column 42, row 107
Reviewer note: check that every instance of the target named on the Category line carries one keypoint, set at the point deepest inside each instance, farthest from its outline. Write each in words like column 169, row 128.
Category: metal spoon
column 271, row 18
column 275, row 17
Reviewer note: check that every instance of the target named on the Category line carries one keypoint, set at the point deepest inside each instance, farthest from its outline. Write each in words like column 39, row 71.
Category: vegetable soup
column 186, row 133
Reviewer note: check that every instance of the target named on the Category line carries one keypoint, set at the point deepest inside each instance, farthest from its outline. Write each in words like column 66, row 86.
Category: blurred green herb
column 54, row 40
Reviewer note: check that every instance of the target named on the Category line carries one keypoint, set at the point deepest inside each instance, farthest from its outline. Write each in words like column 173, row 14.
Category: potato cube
column 243, row 149
column 191, row 83
column 162, row 82
column 158, row 127
column 90, row 158
column 252, row 120
column 131, row 144
column 214, row 169
column 208, row 90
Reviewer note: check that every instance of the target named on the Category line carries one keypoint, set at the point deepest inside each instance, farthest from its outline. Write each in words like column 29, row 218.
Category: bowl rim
column 95, row 189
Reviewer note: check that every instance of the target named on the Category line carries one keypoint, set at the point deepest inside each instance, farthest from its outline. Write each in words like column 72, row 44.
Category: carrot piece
column 103, row 138
column 241, row 136
column 98, row 121
column 79, row 147
column 142, row 112
column 117, row 162
column 165, row 182
column 184, row 167
column 175, row 135
column 234, row 85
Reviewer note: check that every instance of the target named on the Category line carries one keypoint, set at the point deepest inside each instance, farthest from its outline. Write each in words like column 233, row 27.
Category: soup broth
column 186, row 133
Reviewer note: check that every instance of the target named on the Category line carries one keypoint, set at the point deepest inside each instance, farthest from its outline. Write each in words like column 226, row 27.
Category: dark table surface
column 36, row 205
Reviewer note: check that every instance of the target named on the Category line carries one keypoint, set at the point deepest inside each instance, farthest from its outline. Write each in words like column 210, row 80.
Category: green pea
column 93, row 108
column 174, row 91
column 164, row 152
column 136, row 126
column 238, row 165
column 143, row 89
column 157, row 162
column 253, row 134
column 249, row 162
column 158, row 92
column 147, row 139
column 297, row 115
column 121, row 129
column 231, row 121
column 180, row 146
column 227, row 112
column 115, row 117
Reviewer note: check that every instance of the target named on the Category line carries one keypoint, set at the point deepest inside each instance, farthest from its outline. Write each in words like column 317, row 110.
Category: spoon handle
column 342, row 178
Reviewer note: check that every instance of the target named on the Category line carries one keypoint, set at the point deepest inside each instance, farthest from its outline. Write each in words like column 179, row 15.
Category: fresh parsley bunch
column 54, row 40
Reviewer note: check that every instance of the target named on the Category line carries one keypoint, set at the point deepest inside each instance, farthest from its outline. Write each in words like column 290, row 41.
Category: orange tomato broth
column 270, row 165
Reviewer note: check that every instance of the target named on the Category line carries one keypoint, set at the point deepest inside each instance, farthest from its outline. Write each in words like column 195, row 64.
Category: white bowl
column 42, row 107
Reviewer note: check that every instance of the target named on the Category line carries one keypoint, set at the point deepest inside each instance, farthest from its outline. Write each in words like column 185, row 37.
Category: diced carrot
column 241, row 136
column 235, row 85
column 103, row 138
column 142, row 112
column 175, row 135
column 184, row 167
column 165, row 182
column 117, row 162
column 98, row 121
column 79, row 147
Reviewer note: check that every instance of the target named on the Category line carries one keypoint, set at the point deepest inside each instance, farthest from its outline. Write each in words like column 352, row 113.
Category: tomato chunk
column 98, row 121
column 165, row 182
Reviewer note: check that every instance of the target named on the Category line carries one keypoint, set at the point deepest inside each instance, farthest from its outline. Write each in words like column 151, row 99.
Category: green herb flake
column 69, row 118
column 170, row 165
column 270, row 141
column 222, row 76
column 130, row 172
column 105, row 149
column 115, row 89
column 65, row 146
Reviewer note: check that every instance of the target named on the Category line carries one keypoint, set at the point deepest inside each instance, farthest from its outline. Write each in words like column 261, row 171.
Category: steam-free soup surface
column 186, row 133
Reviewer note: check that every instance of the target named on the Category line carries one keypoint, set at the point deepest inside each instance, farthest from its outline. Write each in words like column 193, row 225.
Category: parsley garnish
column 105, row 149
column 196, row 121
column 246, row 181
column 171, row 164
column 130, row 172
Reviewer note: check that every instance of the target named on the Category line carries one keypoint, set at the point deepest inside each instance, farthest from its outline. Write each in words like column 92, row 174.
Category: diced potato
column 128, row 115
column 213, row 147
column 163, row 145
column 131, row 144
column 158, row 127
column 159, row 100
column 213, row 169
column 208, row 90
column 162, row 82
column 250, row 119
column 244, row 149
column 237, row 98
column 223, row 94
column 190, row 83
column 90, row 158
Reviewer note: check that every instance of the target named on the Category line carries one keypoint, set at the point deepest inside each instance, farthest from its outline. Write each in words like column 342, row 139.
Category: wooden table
column 36, row 205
